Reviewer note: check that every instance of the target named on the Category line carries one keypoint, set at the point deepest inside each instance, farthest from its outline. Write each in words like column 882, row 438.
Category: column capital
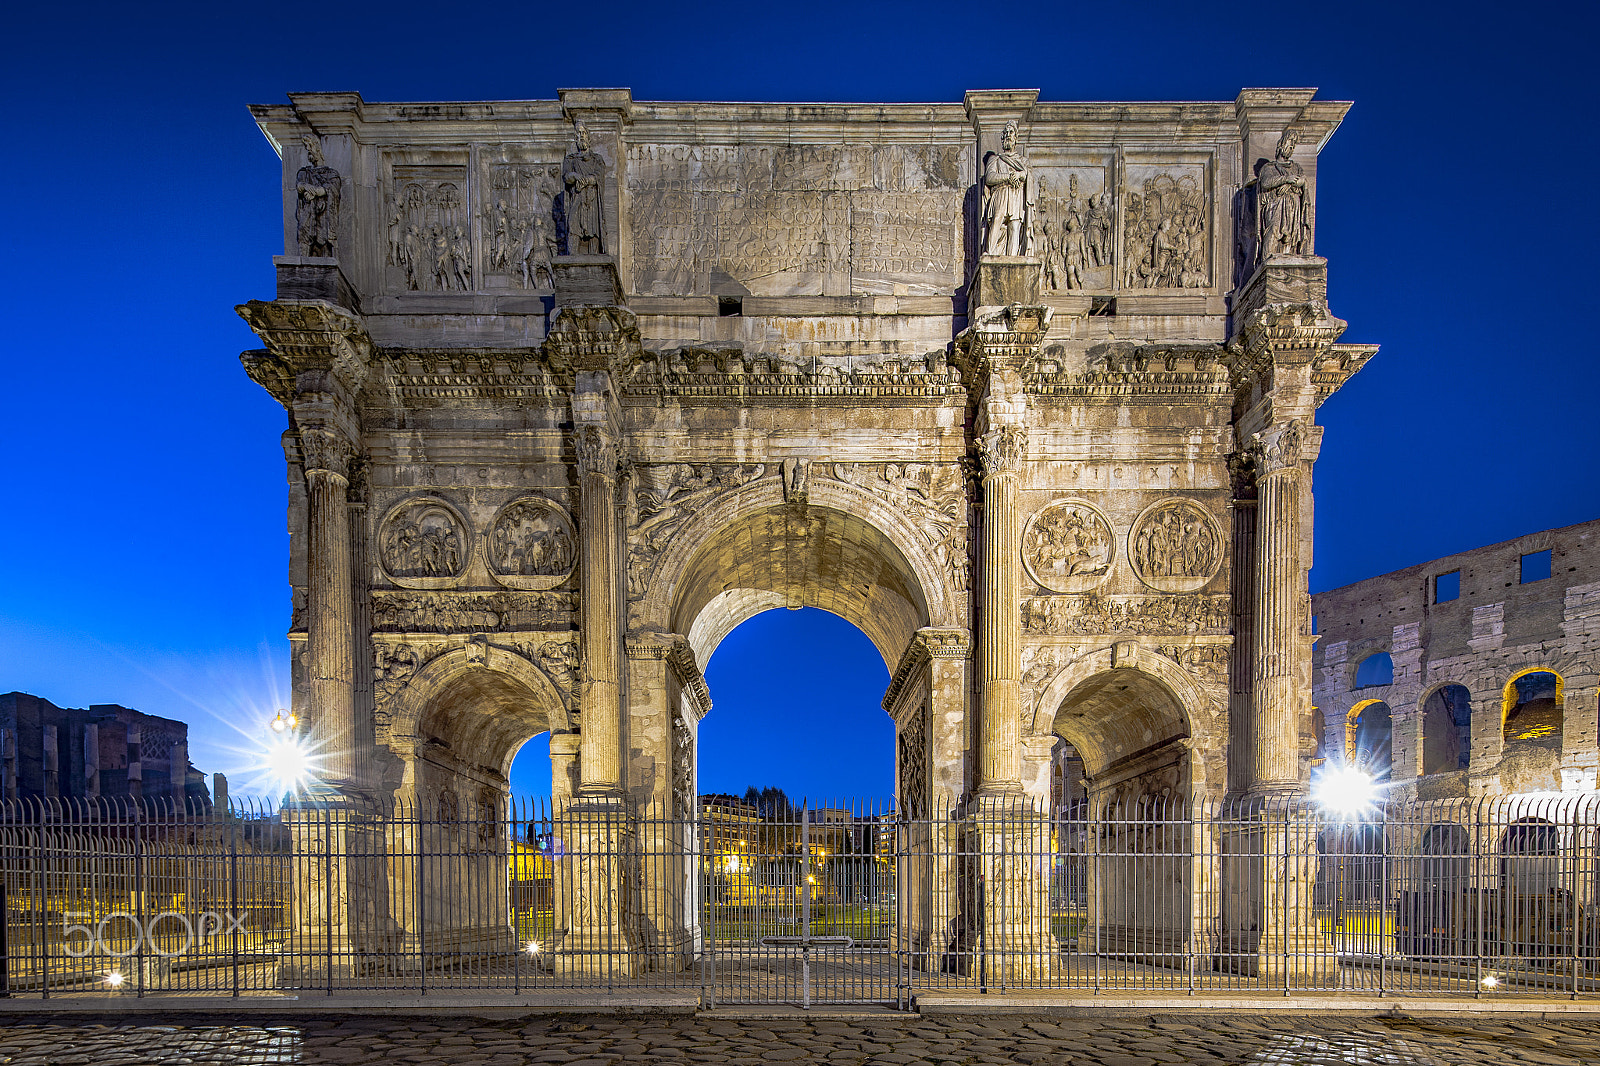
column 326, row 450
column 596, row 448
column 1284, row 446
column 925, row 645
column 1002, row 449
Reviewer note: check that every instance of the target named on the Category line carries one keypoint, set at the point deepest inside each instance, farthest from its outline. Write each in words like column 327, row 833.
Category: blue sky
column 143, row 562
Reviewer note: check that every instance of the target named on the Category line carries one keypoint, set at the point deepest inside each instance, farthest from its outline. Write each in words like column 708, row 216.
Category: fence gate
column 798, row 905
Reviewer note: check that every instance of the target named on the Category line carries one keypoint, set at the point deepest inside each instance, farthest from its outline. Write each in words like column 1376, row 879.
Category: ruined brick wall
column 1498, row 629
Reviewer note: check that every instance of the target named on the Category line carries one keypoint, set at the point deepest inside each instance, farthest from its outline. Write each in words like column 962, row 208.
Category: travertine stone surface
column 1456, row 665
column 576, row 386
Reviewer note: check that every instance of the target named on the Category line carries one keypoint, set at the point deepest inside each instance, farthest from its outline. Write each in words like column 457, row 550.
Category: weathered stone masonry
column 1025, row 390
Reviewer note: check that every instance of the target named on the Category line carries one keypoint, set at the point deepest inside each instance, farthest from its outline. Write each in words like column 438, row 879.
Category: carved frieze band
column 470, row 612
column 1092, row 613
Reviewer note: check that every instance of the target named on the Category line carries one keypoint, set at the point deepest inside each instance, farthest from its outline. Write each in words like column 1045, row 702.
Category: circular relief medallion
column 424, row 543
column 1067, row 547
column 531, row 544
column 1175, row 546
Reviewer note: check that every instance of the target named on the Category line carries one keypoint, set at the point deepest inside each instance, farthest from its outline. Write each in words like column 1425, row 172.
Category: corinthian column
column 1279, row 638
column 599, row 756
column 999, row 627
column 330, row 674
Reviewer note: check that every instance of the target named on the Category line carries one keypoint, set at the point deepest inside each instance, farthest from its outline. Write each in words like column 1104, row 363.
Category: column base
column 1004, row 894
column 598, row 892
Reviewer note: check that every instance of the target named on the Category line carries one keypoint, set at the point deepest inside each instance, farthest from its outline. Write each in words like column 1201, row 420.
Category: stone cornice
column 675, row 650
column 1123, row 371
column 515, row 374
column 593, row 337
column 303, row 335
column 927, row 644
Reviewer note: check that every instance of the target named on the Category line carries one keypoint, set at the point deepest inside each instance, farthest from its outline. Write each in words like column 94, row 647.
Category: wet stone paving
column 1271, row 1040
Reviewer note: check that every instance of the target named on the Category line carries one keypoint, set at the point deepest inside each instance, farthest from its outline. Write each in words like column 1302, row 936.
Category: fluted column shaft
column 999, row 629
column 1279, row 590
column 599, row 754
column 330, row 670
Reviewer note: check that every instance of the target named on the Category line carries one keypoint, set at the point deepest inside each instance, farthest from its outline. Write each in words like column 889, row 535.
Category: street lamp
column 285, row 757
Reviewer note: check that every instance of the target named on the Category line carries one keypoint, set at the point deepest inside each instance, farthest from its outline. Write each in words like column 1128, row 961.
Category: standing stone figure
column 316, row 212
column 1007, row 199
column 1281, row 187
column 584, row 174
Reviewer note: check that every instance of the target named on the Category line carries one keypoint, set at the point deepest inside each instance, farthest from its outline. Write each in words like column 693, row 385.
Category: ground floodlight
column 1346, row 791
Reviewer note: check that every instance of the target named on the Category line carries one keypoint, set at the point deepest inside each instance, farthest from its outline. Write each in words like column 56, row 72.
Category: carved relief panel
column 424, row 543
column 1068, row 546
column 1175, row 546
column 1075, row 221
column 519, row 224
column 531, row 544
column 807, row 218
column 1166, row 225
column 429, row 230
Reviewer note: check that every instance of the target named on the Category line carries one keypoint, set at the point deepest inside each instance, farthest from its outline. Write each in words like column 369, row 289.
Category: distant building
column 1472, row 675
column 106, row 751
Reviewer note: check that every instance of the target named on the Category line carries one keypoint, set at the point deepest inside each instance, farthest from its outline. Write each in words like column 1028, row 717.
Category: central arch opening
column 797, row 613
column 796, row 708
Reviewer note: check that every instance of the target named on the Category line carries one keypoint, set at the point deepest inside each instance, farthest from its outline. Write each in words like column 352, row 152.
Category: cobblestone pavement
column 1300, row 1040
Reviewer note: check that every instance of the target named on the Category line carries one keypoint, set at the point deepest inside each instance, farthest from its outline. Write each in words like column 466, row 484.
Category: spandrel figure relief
column 531, row 545
column 583, row 173
column 1166, row 233
column 1281, row 197
column 423, row 543
column 1068, row 547
column 1008, row 195
column 1175, row 546
column 316, row 213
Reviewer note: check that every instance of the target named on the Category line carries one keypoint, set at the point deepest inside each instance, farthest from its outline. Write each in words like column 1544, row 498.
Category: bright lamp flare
column 1345, row 790
column 114, row 979
column 287, row 762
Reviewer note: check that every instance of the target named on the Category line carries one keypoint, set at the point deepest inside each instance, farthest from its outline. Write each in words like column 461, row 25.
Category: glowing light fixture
column 1347, row 791
column 114, row 979
column 287, row 762
column 1490, row 981
column 532, row 948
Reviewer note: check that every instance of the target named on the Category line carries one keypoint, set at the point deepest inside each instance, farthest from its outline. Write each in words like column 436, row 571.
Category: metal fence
column 840, row 903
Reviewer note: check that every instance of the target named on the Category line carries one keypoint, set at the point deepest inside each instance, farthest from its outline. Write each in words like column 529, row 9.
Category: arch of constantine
column 1025, row 390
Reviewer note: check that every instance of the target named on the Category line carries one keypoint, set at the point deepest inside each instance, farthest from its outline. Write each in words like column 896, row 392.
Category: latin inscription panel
column 773, row 220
